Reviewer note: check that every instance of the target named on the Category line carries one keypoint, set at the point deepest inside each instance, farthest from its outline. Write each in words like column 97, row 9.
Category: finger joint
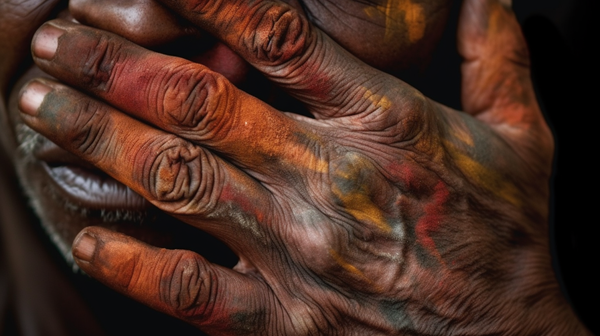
column 276, row 34
column 186, row 288
column 181, row 177
column 99, row 64
column 196, row 101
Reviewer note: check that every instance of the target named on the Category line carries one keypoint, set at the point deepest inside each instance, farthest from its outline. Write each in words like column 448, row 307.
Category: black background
column 562, row 40
column 564, row 56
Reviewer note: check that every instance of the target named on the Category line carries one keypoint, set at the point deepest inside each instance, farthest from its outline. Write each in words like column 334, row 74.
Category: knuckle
column 186, row 285
column 277, row 34
column 181, row 177
column 103, row 54
column 195, row 100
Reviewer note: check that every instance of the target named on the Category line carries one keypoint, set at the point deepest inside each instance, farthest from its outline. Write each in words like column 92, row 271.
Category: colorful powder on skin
column 479, row 174
column 310, row 160
column 247, row 203
column 360, row 206
column 505, row 89
column 409, row 174
column 412, row 14
column 319, row 85
column 496, row 21
column 305, row 158
column 379, row 101
column 280, row 138
column 347, row 266
column 432, row 220
column 463, row 136
column 486, row 178
column 357, row 202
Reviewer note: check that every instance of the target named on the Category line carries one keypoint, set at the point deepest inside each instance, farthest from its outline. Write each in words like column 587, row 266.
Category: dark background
column 562, row 43
column 564, row 56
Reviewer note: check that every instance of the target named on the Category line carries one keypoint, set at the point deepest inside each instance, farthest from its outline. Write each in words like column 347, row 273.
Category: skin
column 386, row 213
column 137, row 20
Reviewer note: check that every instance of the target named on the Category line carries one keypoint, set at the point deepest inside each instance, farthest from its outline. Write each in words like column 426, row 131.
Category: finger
column 176, row 282
column 177, row 176
column 280, row 42
column 496, row 83
column 176, row 95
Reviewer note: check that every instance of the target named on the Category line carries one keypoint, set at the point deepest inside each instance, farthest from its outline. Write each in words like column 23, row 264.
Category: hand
column 388, row 213
column 18, row 22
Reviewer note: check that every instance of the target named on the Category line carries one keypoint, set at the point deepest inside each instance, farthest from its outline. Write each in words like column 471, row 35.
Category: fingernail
column 84, row 247
column 32, row 96
column 45, row 41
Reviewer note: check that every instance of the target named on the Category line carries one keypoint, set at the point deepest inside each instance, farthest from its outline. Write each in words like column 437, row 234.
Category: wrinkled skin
column 366, row 29
column 387, row 213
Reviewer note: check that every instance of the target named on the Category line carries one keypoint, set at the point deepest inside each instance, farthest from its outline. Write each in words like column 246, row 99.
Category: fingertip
column 45, row 41
column 32, row 95
column 108, row 256
column 84, row 247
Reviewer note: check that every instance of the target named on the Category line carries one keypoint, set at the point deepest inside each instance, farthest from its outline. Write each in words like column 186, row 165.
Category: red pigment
column 407, row 174
column 318, row 83
column 136, row 88
column 432, row 220
column 247, row 205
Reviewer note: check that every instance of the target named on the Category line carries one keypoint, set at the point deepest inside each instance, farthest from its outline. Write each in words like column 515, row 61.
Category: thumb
column 177, row 282
column 496, row 76
column 496, row 80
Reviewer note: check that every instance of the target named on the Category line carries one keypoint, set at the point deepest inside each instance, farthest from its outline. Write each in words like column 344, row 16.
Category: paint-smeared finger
column 179, row 283
column 496, row 77
column 174, row 94
column 278, row 40
column 177, row 176
column 497, row 87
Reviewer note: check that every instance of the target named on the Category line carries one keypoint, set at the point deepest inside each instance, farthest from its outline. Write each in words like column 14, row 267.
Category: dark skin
column 387, row 213
column 64, row 216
